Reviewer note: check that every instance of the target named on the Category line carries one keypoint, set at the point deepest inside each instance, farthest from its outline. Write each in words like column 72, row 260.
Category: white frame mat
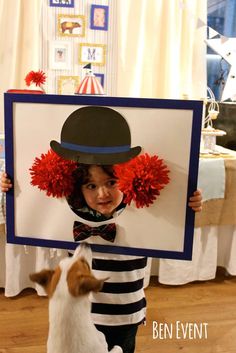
column 169, row 128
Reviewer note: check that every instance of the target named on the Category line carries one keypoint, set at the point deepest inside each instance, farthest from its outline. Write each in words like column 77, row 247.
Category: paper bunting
column 226, row 48
column 212, row 33
column 200, row 23
column 224, row 39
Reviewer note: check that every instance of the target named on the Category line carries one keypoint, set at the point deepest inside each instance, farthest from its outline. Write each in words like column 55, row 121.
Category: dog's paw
column 116, row 349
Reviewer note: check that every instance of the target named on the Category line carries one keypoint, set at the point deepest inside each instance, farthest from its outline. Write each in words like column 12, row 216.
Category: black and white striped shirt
column 121, row 300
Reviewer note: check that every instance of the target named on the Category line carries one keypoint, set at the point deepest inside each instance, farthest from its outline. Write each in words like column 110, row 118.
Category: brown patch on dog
column 55, row 279
column 48, row 279
column 80, row 280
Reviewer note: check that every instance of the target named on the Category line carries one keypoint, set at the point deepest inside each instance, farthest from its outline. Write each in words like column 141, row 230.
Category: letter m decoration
column 91, row 54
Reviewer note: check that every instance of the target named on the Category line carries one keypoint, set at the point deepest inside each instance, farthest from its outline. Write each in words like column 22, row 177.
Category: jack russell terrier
column 71, row 329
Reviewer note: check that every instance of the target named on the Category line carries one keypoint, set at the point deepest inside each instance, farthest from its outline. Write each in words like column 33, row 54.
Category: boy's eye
column 112, row 182
column 91, row 186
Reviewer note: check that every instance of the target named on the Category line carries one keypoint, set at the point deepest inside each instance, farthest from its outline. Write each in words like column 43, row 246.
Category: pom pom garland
column 53, row 174
column 141, row 179
column 38, row 78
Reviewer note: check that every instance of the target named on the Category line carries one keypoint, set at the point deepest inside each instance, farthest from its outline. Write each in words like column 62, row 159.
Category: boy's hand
column 195, row 201
column 5, row 184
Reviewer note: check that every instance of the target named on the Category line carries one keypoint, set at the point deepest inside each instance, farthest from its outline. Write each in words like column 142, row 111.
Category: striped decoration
column 89, row 85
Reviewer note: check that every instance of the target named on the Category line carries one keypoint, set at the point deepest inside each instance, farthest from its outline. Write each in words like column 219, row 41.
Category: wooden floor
column 182, row 309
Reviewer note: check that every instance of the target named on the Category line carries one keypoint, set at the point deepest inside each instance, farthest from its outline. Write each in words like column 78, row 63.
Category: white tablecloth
column 213, row 246
column 17, row 262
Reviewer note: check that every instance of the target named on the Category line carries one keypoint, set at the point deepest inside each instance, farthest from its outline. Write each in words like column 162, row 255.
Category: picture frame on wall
column 99, row 17
column 61, row 3
column 100, row 77
column 92, row 53
column 67, row 84
column 71, row 25
column 60, row 55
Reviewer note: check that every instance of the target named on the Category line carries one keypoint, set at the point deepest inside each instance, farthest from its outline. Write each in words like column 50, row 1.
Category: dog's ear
column 90, row 284
column 43, row 278
column 85, row 284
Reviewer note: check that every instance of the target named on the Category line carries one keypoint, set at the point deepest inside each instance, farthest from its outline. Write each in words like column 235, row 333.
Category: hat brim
column 96, row 158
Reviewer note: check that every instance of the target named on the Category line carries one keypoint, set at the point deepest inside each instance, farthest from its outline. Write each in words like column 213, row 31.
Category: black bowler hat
column 95, row 135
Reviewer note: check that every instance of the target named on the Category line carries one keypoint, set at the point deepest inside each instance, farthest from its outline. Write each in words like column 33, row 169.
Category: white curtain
column 19, row 43
column 161, row 52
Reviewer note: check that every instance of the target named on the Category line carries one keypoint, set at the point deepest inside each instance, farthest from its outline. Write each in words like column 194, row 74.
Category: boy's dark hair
column 81, row 174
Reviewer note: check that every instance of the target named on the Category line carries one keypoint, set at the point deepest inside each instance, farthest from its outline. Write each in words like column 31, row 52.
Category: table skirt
column 213, row 246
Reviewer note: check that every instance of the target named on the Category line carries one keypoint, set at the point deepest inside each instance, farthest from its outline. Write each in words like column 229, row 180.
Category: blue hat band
column 94, row 149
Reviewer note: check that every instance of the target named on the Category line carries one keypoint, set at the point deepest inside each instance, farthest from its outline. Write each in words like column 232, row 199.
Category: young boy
column 120, row 307
column 96, row 196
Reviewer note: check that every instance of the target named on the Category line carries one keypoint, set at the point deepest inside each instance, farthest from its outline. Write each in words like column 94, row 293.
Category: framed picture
column 71, row 25
column 61, row 3
column 168, row 129
column 99, row 17
column 60, row 55
column 92, row 53
column 100, row 78
column 67, row 84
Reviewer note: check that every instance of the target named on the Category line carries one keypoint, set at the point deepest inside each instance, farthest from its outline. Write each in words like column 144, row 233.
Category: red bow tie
column 83, row 231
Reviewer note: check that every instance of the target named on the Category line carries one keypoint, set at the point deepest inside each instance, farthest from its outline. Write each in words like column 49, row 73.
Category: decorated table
column 214, row 237
column 215, row 227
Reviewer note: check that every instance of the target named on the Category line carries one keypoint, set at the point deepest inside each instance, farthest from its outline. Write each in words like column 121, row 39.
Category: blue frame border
column 106, row 8
column 101, row 77
column 52, row 4
column 195, row 106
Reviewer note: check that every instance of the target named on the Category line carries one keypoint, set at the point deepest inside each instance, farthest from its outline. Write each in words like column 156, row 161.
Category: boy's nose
column 103, row 191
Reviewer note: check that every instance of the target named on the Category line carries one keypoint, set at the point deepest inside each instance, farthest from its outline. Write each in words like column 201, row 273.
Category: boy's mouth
column 104, row 203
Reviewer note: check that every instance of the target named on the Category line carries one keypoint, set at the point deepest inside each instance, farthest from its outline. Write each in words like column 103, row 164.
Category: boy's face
column 101, row 192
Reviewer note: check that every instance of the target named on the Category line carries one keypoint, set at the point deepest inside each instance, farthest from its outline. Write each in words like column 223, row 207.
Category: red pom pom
column 38, row 78
column 141, row 179
column 53, row 174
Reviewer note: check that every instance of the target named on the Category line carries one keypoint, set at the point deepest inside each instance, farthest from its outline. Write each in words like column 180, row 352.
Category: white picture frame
column 60, row 55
